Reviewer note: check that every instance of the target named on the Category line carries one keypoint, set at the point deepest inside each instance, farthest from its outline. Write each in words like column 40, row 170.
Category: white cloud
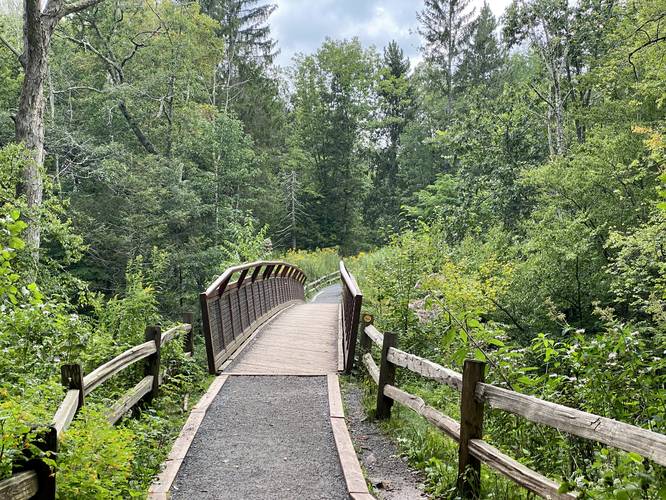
column 303, row 25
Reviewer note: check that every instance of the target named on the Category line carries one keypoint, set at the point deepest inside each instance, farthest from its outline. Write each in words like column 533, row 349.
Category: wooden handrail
column 21, row 486
column 324, row 280
column 119, row 363
column 352, row 300
column 231, row 312
column 224, row 278
column 604, row 430
column 66, row 411
column 26, row 484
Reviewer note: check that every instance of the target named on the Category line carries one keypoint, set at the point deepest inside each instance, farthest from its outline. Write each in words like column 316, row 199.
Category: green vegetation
column 505, row 199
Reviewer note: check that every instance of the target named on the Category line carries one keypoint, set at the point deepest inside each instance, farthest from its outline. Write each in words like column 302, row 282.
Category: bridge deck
column 300, row 341
column 273, row 436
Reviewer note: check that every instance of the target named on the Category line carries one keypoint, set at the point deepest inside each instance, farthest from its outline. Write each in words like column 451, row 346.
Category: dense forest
column 504, row 198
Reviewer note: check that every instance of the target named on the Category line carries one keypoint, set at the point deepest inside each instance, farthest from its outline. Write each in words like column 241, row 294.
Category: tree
column 445, row 26
column 40, row 20
column 248, row 45
column 569, row 40
column 482, row 57
column 395, row 108
column 333, row 91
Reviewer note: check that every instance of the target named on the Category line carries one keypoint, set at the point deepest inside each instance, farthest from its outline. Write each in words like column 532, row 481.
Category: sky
column 302, row 25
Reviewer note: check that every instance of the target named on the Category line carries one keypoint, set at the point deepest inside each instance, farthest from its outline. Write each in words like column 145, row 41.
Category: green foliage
column 518, row 186
column 95, row 459
column 331, row 107
column 315, row 263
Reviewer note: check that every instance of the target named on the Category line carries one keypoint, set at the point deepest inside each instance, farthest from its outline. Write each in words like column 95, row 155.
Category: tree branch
column 641, row 47
column 547, row 101
column 77, row 7
column 12, row 49
column 80, row 87
column 88, row 46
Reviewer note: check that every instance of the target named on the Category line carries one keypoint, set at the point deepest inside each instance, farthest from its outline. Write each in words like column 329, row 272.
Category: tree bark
column 29, row 122
column 40, row 18
column 145, row 142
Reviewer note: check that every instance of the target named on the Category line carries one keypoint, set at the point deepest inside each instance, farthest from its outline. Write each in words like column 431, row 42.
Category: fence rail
column 232, row 310
column 352, row 300
column 35, row 479
column 475, row 394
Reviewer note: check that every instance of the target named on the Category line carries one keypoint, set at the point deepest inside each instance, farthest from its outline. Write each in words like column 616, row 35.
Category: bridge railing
column 241, row 300
column 352, row 300
column 475, row 395
column 34, row 478
column 319, row 283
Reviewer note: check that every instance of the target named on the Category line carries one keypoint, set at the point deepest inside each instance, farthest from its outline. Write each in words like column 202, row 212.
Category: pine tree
column 445, row 25
column 396, row 109
column 482, row 57
column 248, row 44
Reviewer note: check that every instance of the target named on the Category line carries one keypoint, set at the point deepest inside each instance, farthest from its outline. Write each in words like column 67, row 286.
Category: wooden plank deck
column 303, row 340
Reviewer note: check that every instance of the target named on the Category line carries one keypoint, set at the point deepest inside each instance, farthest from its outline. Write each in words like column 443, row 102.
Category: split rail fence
column 475, row 395
column 35, row 479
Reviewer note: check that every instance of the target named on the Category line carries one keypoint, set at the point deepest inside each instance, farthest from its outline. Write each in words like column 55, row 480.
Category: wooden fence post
column 471, row 427
column 188, row 318
column 386, row 376
column 46, row 441
column 153, row 361
column 71, row 376
column 366, row 319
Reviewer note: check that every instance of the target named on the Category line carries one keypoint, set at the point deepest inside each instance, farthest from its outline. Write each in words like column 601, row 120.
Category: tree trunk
column 39, row 20
column 29, row 123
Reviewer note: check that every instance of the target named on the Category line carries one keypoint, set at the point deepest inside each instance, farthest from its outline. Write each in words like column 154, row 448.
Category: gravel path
column 265, row 437
column 386, row 470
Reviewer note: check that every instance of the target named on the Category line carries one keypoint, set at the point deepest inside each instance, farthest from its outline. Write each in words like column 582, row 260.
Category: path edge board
column 160, row 487
column 351, row 467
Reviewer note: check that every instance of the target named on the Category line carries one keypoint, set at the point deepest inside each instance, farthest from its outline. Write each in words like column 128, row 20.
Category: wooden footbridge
column 272, row 424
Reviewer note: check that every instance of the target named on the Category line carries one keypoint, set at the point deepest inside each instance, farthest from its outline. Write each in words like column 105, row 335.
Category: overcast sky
column 302, row 25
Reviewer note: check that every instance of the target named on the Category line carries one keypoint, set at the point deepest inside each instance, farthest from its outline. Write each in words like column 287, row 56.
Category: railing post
column 357, row 301
column 71, row 377
column 471, row 427
column 188, row 318
column 366, row 320
column 46, row 440
column 386, row 376
column 153, row 361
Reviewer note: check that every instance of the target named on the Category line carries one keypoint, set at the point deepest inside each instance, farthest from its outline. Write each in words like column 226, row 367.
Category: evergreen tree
column 445, row 25
column 482, row 57
column 248, row 44
column 395, row 110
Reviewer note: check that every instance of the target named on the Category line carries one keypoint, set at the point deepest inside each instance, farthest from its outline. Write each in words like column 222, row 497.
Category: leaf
column 16, row 243
column 496, row 342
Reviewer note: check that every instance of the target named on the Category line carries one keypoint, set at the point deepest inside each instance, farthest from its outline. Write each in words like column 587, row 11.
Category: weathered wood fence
column 35, row 479
column 232, row 310
column 475, row 395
